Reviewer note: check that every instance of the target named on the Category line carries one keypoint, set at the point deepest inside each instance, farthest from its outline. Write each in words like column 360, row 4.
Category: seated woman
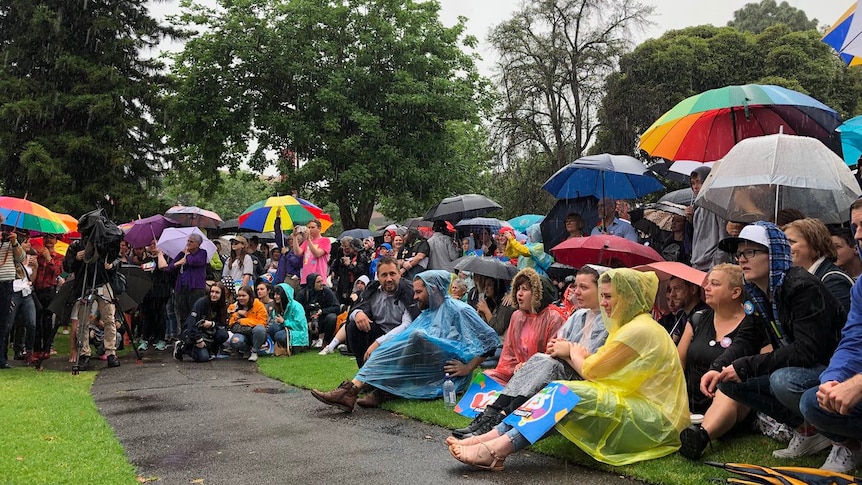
column 531, row 327
column 414, row 363
column 708, row 332
column 288, row 321
column 585, row 328
column 633, row 402
column 204, row 331
column 811, row 248
column 247, row 322
column 796, row 317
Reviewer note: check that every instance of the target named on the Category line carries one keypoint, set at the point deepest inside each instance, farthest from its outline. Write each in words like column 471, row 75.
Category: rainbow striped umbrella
column 324, row 218
column 706, row 126
column 261, row 215
column 25, row 214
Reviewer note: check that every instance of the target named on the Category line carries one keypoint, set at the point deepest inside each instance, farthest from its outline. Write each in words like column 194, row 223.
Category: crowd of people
column 768, row 340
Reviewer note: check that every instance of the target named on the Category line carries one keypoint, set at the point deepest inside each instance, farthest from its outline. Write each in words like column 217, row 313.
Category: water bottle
column 449, row 392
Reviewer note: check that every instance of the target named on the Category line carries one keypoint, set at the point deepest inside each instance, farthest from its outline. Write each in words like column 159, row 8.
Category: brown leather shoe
column 344, row 396
column 374, row 399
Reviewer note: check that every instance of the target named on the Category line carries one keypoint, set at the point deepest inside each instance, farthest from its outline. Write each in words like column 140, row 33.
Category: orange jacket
column 255, row 316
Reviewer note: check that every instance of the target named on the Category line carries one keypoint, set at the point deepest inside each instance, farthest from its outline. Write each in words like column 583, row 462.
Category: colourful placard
column 545, row 409
column 482, row 391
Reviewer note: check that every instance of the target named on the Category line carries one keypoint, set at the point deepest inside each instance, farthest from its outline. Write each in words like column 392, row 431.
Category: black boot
column 694, row 440
column 484, row 422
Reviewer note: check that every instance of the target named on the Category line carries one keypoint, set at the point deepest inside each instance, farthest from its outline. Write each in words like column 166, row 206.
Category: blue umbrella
column 521, row 223
column 851, row 140
column 615, row 176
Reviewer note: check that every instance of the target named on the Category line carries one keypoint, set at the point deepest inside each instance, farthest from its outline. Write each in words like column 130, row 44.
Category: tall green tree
column 78, row 103
column 757, row 17
column 662, row 72
column 554, row 56
column 368, row 96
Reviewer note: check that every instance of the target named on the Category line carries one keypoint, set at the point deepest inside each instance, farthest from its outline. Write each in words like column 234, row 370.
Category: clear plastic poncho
column 410, row 364
column 633, row 402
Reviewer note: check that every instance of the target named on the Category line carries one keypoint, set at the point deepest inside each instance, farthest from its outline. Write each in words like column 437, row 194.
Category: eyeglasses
column 748, row 253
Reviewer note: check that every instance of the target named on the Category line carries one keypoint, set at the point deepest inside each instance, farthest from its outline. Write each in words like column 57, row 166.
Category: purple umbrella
column 141, row 232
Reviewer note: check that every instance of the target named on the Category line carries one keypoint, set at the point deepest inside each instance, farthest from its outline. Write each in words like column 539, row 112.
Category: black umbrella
column 490, row 267
column 138, row 284
column 356, row 233
column 681, row 196
column 559, row 271
column 554, row 225
column 230, row 225
column 454, row 209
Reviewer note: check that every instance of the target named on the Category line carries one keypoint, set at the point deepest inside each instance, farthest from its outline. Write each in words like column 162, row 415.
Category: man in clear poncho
column 633, row 399
column 448, row 336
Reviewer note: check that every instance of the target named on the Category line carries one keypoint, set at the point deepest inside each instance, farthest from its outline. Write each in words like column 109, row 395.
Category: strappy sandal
column 496, row 464
column 463, row 441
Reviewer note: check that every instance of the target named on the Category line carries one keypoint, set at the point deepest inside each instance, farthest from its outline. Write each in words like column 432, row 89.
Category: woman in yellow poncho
column 633, row 399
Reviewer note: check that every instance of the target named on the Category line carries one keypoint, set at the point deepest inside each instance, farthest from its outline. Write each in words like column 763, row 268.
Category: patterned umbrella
column 25, row 214
column 261, row 215
column 192, row 216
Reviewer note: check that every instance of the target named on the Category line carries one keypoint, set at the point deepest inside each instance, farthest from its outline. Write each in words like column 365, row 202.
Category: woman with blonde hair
column 633, row 400
column 708, row 332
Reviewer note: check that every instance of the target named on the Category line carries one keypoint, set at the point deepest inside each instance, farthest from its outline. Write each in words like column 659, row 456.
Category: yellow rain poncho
column 633, row 402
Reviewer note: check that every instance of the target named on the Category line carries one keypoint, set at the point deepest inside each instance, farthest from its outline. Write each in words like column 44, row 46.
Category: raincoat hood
column 536, row 285
column 363, row 279
column 437, row 283
column 702, row 172
column 635, row 293
column 287, row 289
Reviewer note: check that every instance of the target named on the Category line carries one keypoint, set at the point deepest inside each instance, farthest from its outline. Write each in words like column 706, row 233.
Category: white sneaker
column 803, row 445
column 842, row 460
column 252, row 357
column 326, row 351
column 317, row 343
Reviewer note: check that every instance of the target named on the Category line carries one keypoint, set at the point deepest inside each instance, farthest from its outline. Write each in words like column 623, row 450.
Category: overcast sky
column 669, row 14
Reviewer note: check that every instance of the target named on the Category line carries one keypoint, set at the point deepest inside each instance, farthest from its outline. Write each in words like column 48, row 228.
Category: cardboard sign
column 545, row 409
column 482, row 391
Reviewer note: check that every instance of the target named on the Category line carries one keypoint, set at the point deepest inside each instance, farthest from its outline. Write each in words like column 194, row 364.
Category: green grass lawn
column 53, row 433
column 309, row 370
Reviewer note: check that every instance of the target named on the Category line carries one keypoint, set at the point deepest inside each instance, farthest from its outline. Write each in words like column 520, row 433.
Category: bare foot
column 473, row 439
column 73, row 357
column 479, row 455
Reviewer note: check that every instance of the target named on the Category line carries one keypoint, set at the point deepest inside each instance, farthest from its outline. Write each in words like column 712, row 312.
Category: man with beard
column 386, row 306
column 447, row 340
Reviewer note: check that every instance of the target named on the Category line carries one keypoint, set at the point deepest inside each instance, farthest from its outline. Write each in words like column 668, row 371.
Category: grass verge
column 309, row 370
column 53, row 433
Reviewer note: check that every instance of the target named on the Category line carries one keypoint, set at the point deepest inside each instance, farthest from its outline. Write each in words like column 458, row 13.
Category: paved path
column 225, row 423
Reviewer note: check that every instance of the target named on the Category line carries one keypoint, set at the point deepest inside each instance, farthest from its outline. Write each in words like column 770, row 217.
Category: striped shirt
column 8, row 258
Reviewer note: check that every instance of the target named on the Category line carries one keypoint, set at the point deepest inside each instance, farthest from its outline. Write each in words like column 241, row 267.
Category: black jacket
column 836, row 281
column 812, row 318
column 404, row 295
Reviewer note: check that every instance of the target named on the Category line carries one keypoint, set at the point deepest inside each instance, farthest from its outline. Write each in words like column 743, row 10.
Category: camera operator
column 321, row 304
column 92, row 277
column 11, row 254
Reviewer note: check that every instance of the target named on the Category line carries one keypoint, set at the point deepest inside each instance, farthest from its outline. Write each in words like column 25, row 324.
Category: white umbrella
column 173, row 241
column 761, row 175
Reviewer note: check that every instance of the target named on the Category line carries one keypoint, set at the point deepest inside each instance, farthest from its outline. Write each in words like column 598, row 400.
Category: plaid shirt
column 46, row 276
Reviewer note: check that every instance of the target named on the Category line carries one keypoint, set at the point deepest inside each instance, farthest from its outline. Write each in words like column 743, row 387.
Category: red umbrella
column 604, row 249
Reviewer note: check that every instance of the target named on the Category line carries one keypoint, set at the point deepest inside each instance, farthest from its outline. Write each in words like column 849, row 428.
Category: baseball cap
column 751, row 233
column 241, row 239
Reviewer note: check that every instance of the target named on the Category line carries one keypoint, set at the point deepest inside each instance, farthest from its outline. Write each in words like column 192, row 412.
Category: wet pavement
column 224, row 423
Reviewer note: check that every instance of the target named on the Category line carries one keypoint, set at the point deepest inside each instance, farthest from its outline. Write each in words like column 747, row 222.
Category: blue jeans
column 239, row 341
column 788, row 384
column 5, row 321
column 172, row 327
column 834, row 426
column 278, row 334
column 757, row 393
column 25, row 306
column 515, row 436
